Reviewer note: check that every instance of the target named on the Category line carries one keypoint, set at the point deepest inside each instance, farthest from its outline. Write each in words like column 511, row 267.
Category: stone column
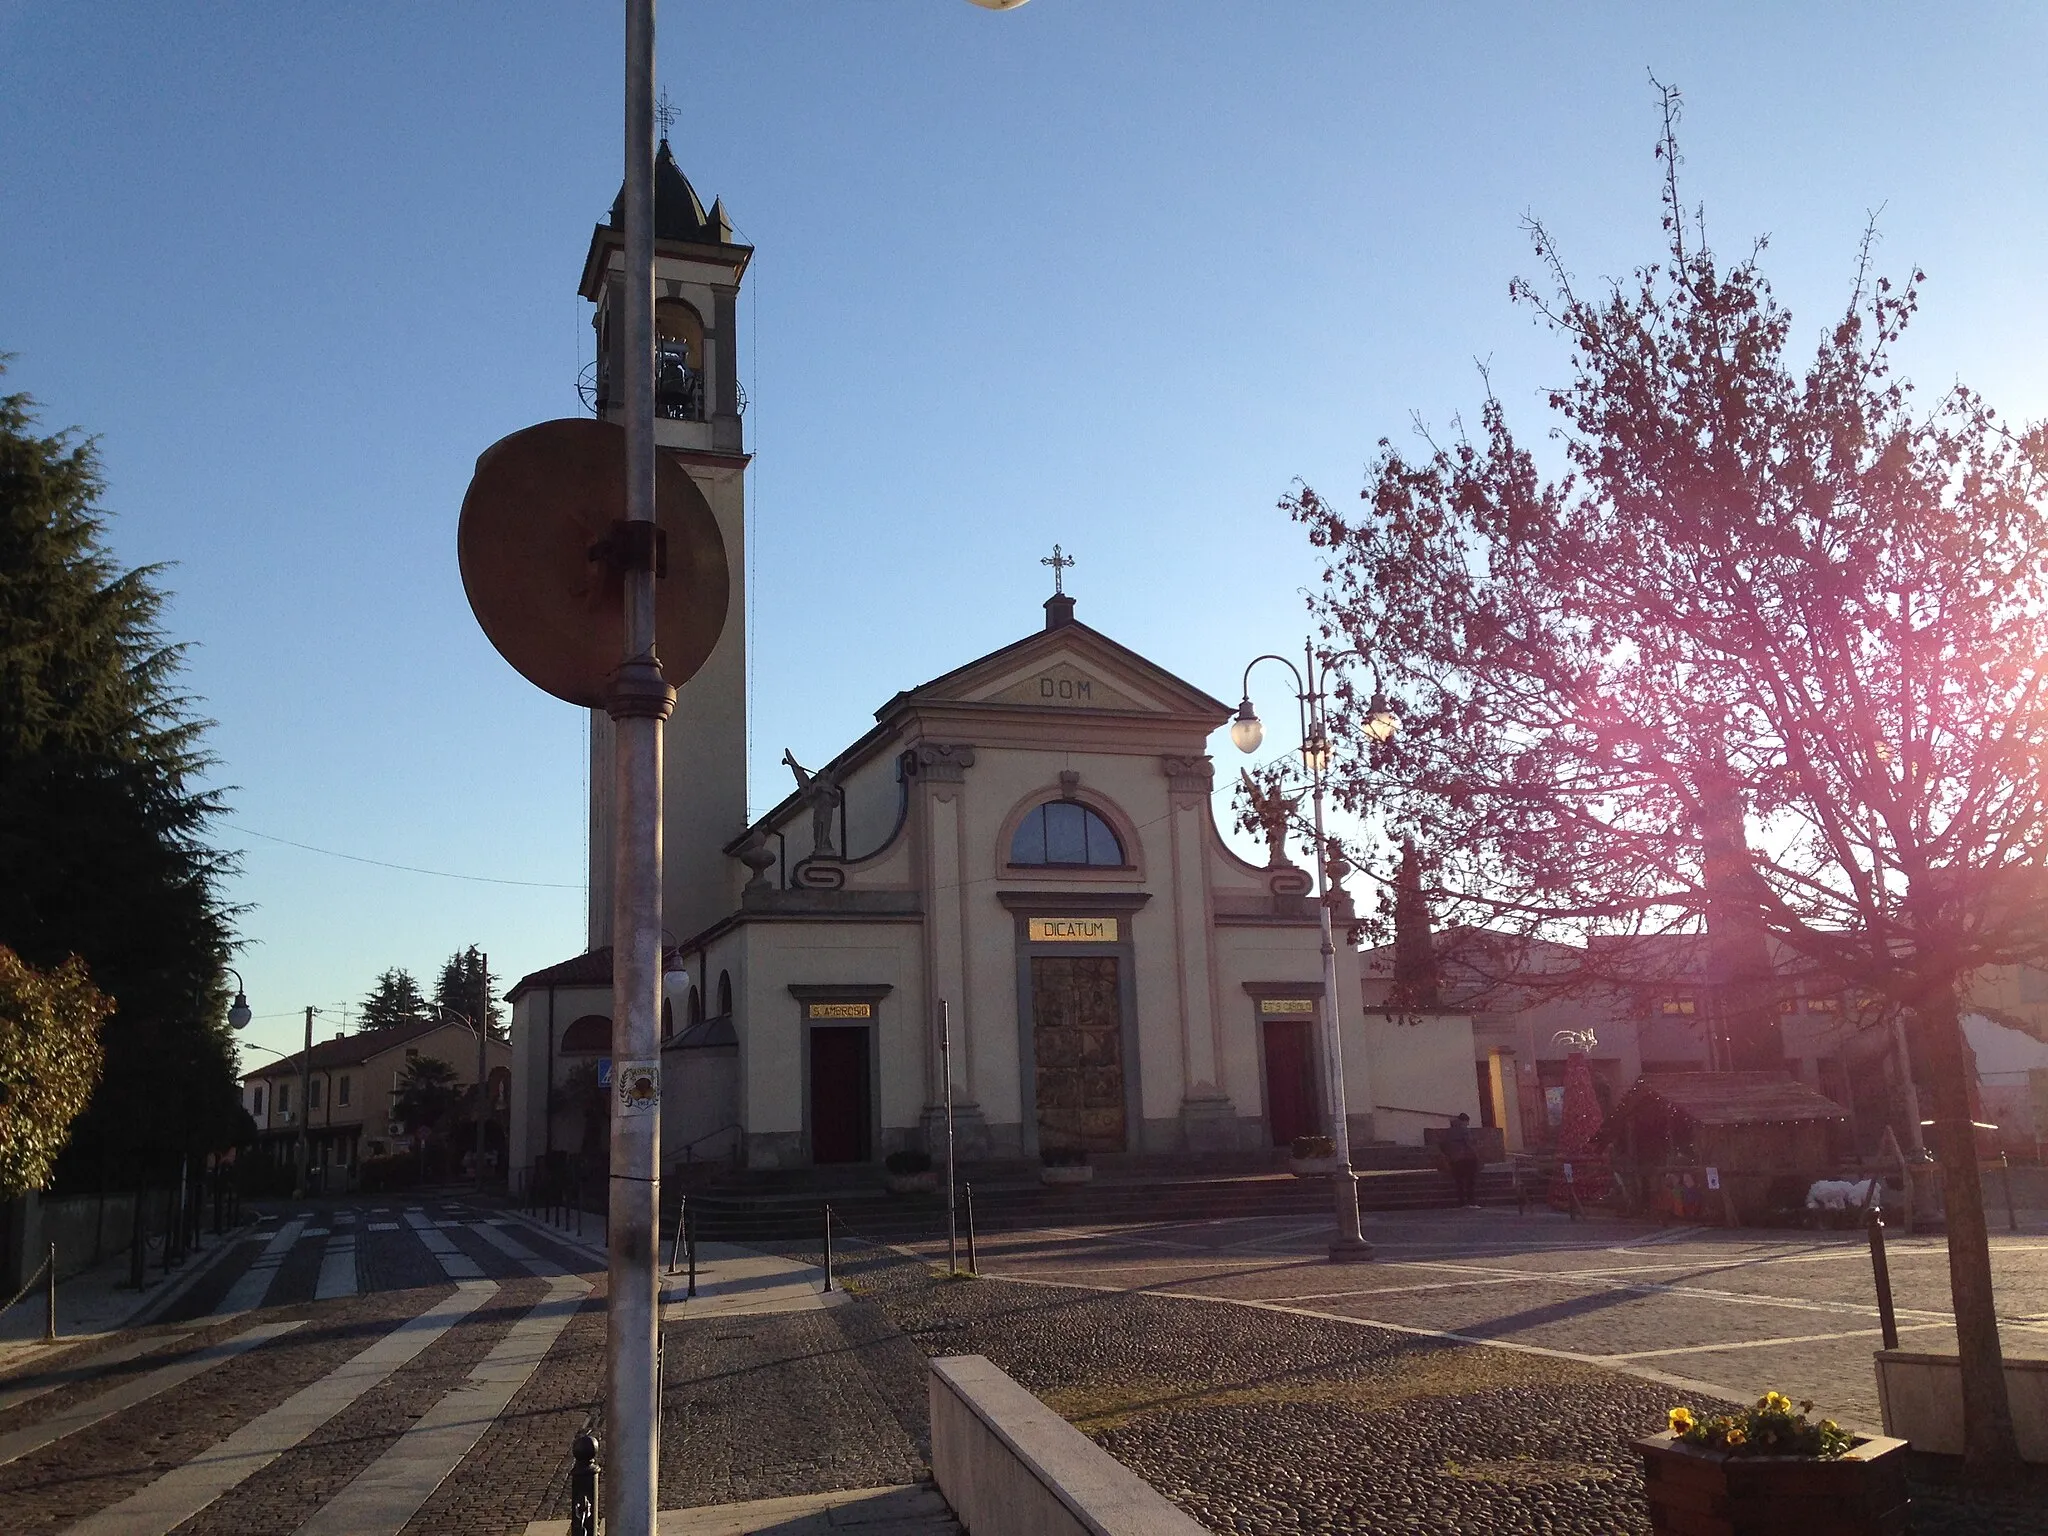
column 1207, row 1116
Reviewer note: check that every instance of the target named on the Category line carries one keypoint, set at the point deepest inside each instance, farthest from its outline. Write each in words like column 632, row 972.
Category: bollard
column 828, row 1247
column 2012, row 1218
column 1521, row 1191
column 1881, row 1276
column 972, row 1267
column 682, row 1219
column 583, row 1487
column 691, row 1247
column 50, row 1296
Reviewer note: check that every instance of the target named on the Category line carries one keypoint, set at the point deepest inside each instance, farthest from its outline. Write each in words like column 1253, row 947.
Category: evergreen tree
column 395, row 999
column 49, row 1064
column 102, row 818
column 464, row 987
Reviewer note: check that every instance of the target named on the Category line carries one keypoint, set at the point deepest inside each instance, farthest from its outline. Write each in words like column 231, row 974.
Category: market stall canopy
column 1723, row 1098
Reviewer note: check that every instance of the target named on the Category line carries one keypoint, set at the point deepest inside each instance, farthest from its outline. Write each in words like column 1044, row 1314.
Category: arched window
column 696, row 1006
column 1066, row 832
column 590, row 1035
column 668, row 1018
column 725, row 994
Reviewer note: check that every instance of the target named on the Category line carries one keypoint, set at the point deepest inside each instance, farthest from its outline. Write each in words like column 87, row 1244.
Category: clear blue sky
column 1110, row 272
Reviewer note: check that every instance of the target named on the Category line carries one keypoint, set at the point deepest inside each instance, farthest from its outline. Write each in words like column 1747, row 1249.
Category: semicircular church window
column 591, row 1034
column 1066, row 832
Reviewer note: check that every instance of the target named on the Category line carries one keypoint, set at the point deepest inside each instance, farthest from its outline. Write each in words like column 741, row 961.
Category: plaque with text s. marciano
column 839, row 1010
column 1272, row 1006
column 1072, row 930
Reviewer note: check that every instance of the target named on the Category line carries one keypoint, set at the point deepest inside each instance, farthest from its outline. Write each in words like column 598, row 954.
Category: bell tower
column 698, row 270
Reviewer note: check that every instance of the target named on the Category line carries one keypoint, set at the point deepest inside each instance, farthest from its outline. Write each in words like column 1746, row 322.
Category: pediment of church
column 1069, row 668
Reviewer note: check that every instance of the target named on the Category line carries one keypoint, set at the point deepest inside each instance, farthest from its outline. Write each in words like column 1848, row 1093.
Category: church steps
column 1009, row 1204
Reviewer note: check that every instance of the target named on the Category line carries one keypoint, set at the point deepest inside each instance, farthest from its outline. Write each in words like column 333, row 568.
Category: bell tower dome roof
column 678, row 212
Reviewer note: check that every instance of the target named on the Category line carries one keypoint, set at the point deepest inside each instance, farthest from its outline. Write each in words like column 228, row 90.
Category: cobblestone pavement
column 1258, row 1386
column 1103, row 1324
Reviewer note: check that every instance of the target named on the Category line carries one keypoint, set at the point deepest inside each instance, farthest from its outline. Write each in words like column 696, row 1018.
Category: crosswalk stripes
column 389, row 1492
column 130, row 1393
column 247, row 1293
column 456, row 1264
column 517, row 1251
column 338, row 1276
column 180, row 1494
column 32, row 1387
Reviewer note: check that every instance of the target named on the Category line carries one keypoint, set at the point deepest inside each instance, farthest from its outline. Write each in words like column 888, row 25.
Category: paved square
column 1701, row 1309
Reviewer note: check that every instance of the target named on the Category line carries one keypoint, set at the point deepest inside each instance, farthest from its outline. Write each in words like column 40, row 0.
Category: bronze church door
column 1291, row 1100
column 1077, row 1041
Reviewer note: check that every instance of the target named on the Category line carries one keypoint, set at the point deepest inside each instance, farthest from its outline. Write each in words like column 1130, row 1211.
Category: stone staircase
column 787, row 1204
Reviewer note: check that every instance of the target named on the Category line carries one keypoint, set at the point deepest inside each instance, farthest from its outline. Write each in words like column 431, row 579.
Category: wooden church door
column 1291, row 1100
column 1077, row 1039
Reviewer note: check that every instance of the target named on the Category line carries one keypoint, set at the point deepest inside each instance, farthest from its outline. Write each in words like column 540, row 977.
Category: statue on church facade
column 821, row 792
column 1266, row 810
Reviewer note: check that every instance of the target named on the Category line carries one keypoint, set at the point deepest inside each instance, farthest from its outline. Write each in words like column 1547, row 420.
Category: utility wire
column 410, row 869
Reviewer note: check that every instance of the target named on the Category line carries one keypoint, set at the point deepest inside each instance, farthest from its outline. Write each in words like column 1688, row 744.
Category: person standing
column 1463, row 1157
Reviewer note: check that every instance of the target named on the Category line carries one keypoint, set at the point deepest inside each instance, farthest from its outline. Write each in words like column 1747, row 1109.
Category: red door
column 839, row 1093
column 1292, row 1104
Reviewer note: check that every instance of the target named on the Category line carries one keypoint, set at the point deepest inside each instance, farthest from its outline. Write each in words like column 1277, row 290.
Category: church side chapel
column 1020, row 861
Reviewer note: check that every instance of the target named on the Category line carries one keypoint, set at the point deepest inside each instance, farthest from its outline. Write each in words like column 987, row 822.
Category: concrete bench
column 1010, row 1466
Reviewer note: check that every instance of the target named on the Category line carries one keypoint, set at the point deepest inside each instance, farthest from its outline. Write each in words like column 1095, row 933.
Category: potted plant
column 910, row 1172
column 1769, row 1470
column 1064, row 1165
column 1312, row 1155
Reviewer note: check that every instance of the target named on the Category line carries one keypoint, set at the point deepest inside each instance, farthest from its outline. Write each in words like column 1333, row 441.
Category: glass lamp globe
column 1382, row 723
column 239, row 1015
column 997, row 5
column 1247, row 730
column 1315, row 754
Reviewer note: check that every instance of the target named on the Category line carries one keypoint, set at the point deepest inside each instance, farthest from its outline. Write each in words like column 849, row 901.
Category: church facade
column 1013, row 883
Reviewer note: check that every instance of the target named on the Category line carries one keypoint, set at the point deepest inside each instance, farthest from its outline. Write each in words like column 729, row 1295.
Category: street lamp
column 239, row 1014
column 1247, row 731
column 482, row 1083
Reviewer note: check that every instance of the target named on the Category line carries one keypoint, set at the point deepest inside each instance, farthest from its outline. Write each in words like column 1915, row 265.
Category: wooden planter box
column 1695, row 1492
column 1311, row 1167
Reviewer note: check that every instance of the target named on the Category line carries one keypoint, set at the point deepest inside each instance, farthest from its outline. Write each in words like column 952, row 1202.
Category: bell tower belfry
column 698, row 269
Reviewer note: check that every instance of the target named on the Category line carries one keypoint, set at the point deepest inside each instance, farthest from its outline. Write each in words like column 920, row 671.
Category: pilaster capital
column 940, row 763
column 1189, row 775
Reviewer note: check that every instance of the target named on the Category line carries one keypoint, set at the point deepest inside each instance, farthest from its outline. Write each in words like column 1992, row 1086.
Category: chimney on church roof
column 1059, row 610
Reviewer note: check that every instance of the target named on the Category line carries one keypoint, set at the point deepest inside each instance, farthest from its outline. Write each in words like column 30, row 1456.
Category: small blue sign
column 604, row 1072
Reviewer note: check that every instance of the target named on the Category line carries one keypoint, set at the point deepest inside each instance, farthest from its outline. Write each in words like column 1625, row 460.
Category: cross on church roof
column 664, row 113
column 1059, row 563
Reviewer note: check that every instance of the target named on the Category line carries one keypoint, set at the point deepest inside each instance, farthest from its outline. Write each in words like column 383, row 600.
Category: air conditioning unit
column 395, row 1128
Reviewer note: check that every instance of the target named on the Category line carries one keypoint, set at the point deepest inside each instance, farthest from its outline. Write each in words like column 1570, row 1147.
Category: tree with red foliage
column 1764, row 655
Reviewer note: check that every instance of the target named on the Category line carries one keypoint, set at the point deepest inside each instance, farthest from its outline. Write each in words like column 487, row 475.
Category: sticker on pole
column 1713, row 1178
column 636, row 1086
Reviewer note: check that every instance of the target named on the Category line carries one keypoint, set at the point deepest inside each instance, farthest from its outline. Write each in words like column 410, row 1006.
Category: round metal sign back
column 535, row 542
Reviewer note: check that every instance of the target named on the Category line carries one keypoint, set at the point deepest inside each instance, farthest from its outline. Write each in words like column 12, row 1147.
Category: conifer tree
column 395, row 999
column 103, row 818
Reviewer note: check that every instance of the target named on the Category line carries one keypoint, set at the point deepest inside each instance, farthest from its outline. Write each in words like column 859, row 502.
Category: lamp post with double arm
column 1311, row 693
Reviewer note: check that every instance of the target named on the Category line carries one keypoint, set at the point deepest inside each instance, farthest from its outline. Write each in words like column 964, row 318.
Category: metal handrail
column 689, row 1147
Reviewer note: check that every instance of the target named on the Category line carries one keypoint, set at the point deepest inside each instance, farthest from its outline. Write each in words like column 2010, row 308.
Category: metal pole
column 483, row 1096
column 828, row 1247
column 691, row 1246
column 1881, row 1275
column 1348, row 1244
column 2012, row 1217
column 675, row 1248
column 305, row 1107
column 641, row 700
column 50, row 1295
column 973, row 1268
column 946, row 1069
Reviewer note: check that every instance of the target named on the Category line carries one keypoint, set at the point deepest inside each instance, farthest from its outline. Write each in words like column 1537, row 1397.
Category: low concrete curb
column 1010, row 1466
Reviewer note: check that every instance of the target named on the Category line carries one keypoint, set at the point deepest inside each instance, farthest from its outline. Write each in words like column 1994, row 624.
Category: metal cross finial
column 664, row 114
column 1059, row 563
